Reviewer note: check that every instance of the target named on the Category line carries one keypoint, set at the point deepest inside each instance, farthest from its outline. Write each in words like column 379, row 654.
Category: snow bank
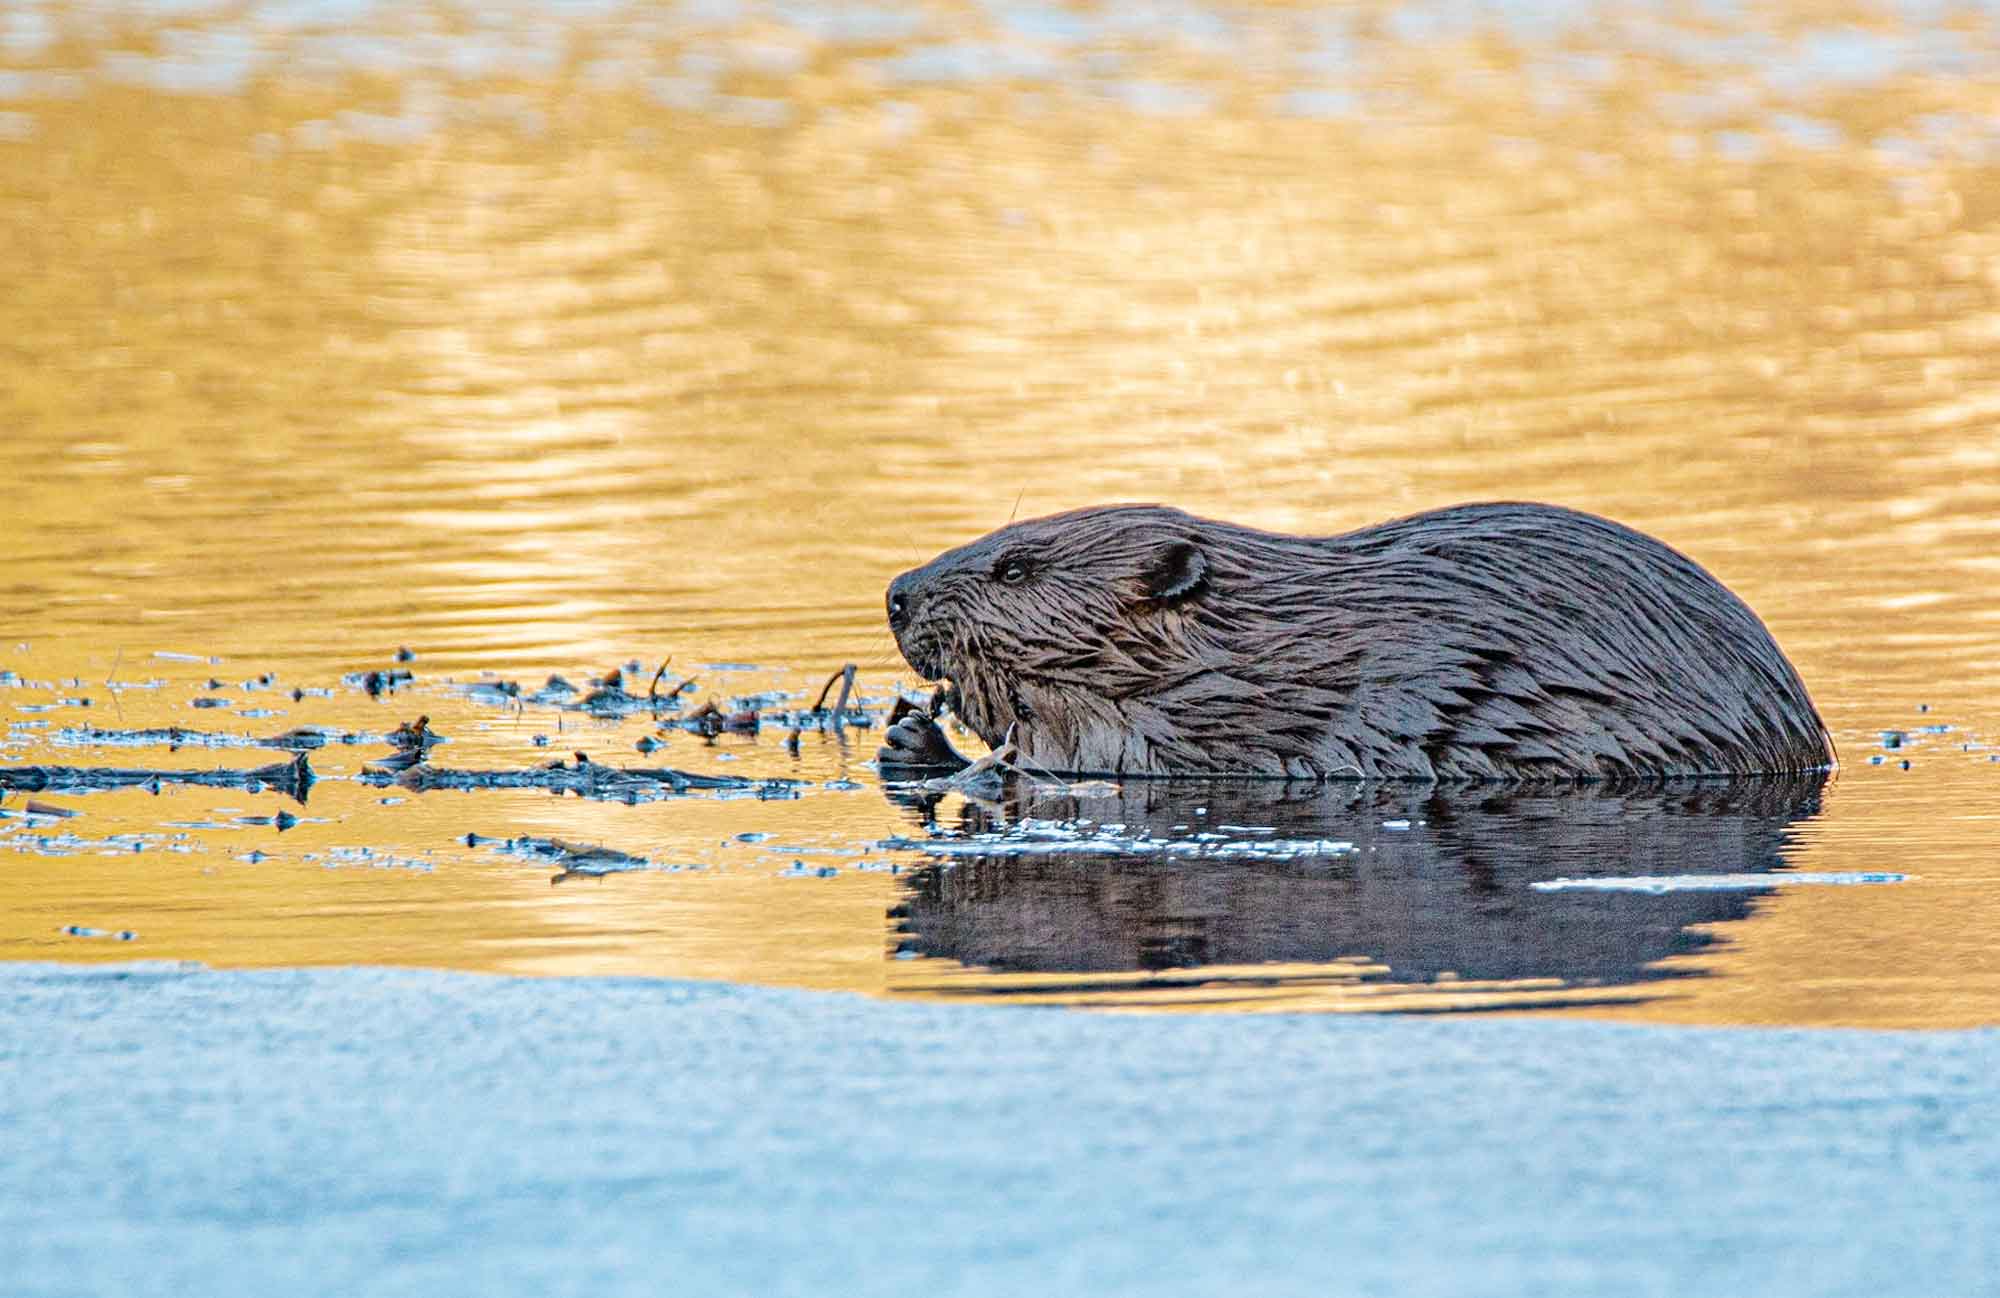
column 168, row 1130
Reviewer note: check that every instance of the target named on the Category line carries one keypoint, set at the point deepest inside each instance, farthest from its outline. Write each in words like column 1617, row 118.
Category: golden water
column 539, row 343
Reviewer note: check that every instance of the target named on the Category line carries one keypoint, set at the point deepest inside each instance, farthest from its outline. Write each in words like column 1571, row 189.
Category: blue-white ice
column 377, row 1132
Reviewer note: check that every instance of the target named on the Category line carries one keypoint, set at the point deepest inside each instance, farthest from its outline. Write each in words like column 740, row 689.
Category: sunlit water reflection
column 538, row 341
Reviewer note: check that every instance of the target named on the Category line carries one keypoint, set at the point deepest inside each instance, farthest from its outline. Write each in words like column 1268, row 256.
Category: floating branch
column 305, row 737
column 294, row 778
column 584, row 778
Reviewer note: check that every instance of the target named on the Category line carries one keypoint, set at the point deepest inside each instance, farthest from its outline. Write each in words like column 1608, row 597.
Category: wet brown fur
column 1481, row 641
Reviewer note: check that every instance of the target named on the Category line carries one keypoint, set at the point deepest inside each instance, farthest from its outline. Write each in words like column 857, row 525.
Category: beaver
column 1490, row 641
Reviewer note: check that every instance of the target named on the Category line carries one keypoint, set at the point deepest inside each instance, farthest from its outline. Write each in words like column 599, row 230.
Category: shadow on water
column 1485, row 894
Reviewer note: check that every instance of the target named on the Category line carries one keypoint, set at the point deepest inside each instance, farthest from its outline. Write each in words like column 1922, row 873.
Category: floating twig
column 711, row 721
column 655, row 700
column 413, row 741
column 984, row 779
column 112, row 689
column 819, row 703
column 846, row 688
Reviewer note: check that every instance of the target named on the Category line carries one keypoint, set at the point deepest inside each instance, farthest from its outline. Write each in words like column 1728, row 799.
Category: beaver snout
column 905, row 603
column 902, row 600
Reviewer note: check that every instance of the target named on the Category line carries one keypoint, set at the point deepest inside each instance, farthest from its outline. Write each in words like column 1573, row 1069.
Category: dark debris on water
column 611, row 695
column 573, row 860
column 608, row 696
column 84, row 930
column 283, row 821
column 379, row 682
column 412, row 741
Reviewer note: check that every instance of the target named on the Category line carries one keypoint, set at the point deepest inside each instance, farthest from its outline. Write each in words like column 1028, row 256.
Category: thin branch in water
column 819, row 704
column 112, row 689
column 985, row 776
column 1020, row 763
column 846, row 687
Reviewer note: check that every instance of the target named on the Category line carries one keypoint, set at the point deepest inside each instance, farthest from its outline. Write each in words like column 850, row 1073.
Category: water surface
column 547, row 342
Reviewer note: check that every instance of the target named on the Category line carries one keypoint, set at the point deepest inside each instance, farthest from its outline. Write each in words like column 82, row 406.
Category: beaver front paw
column 917, row 742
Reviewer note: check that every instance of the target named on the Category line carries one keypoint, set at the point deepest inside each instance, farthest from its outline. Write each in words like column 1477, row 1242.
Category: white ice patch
column 1660, row 883
column 1055, row 838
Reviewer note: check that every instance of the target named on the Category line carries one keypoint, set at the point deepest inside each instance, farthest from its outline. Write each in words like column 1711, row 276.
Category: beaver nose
column 901, row 599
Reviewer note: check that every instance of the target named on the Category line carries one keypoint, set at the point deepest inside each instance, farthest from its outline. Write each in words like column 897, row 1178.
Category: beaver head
column 1053, row 621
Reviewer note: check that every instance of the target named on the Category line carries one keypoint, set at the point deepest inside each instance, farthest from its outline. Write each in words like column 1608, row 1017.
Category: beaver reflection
column 1448, row 892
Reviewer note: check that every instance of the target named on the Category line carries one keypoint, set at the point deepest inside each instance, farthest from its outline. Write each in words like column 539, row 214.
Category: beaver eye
column 1014, row 572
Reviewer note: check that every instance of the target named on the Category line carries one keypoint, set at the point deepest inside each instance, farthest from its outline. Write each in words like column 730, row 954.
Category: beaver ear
column 1178, row 573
